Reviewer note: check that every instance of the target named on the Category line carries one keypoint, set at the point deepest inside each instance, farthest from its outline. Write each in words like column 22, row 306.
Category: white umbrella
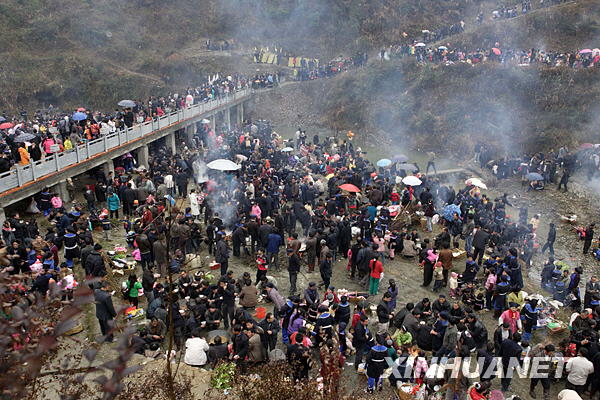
column 223, row 165
column 205, row 121
column 241, row 157
column 476, row 182
column 411, row 180
column 287, row 149
column 420, row 45
column 442, row 48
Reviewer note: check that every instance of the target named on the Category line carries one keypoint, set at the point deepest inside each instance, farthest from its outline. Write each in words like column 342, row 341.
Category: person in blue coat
column 393, row 291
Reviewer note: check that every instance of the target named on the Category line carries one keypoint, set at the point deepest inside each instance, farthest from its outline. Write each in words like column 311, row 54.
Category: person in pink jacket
column 48, row 142
column 512, row 317
column 56, row 201
column 380, row 242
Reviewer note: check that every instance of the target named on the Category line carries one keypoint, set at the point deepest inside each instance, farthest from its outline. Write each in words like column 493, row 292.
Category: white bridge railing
column 21, row 175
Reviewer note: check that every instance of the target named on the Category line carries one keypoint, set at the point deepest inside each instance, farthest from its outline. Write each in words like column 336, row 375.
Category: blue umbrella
column 449, row 211
column 2, row 119
column 534, row 176
column 79, row 116
column 384, row 162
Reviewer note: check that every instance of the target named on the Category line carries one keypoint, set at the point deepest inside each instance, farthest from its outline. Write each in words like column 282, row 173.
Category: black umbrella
column 24, row 137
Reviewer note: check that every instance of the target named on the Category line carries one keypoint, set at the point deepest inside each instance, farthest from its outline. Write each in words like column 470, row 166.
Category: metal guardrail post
column 33, row 170
column 18, row 177
column 56, row 163
column 87, row 147
column 77, row 153
column 105, row 143
column 127, row 135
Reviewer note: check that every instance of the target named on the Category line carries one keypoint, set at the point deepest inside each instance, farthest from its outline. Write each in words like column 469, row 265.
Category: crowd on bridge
column 320, row 210
column 25, row 139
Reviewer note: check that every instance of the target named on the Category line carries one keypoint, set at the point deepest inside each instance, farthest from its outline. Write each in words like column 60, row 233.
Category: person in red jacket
column 376, row 268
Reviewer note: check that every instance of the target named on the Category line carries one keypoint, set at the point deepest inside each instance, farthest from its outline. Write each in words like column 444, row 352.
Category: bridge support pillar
column 61, row 189
column 171, row 142
column 228, row 118
column 190, row 131
column 240, row 114
column 108, row 168
column 142, row 156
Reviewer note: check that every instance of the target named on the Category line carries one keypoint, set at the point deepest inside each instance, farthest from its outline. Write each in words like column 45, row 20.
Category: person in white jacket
column 195, row 350
column 194, row 204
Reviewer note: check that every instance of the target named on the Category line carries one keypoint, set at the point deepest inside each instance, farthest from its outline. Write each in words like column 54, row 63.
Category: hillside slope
column 450, row 108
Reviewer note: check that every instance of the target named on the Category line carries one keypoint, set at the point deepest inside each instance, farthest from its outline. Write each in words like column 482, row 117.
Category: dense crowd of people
column 583, row 58
column 315, row 208
column 26, row 139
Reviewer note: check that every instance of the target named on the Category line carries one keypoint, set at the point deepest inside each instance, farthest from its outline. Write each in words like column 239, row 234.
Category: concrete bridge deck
column 22, row 182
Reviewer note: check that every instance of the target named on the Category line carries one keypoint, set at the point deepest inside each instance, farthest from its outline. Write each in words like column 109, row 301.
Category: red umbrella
column 583, row 146
column 6, row 125
column 81, row 109
column 496, row 51
column 348, row 187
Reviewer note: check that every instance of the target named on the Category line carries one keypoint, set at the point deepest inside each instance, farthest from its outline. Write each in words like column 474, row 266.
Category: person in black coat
column 589, row 236
column 480, row 240
column 487, row 354
column 326, row 270
column 362, row 336
column 94, row 263
column 241, row 346
column 503, row 332
column 478, row 330
column 105, row 311
column 550, row 239
column 509, row 349
column 299, row 358
column 401, row 315
column 238, row 238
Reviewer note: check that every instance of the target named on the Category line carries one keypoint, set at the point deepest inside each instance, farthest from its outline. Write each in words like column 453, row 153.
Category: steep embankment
column 450, row 107
column 83, row 52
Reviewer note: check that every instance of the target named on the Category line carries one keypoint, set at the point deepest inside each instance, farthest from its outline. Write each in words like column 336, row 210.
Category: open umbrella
column 6, row 125
column 496, row 51
column 79, row 116
column 585, row 51
column 442, row 48
column 400, row 158
column 449, row 211
column 223, row 165
column 420, row 44
column 586, row 146
column 476, row 182
column 287, row 149
column 205, row 121
column 24, row 137
column 126, row 103
column 411, row 180
column 2, row 119
column 348, row 187
column 384, row 162
column 406, row 167
column 81, row 109
column 534, row 176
